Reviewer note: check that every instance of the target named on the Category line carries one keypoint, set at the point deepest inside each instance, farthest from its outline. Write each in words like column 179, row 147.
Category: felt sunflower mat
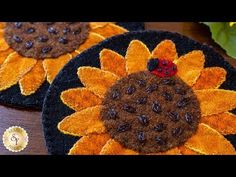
column 32, row 54
column 147, row 92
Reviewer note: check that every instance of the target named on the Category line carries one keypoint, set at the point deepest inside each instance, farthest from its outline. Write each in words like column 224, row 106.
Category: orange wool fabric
column 93, row 39
column 94, row 25
column 215, row 101
column 3, row 45
column 210, row 78
column 31, row 81
column 209, row 141
column 89, row 145
column 190, row 66
column 137, row 52
column 186, row 151
column 165, row 50
column 96, row 80
column 113, row 62
column 173, row 151
column 4, row 54
column 109, row 30
column 80, row 98
column 13, row 69
column 224, row 123
column 2, row 25
column 52, row 67
column 83, row 123
column 114, row 148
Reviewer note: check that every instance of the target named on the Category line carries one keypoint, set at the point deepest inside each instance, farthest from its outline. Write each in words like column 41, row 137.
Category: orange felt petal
column 173, row 151
column 13, row 69
column 96, row 80
column 109, row 30
column 4, row 54
column 94, row 25
column 75, row 53
column 225, row 123
column 214, row 101
column 92, row 40
column 165, row 50
column 83, row 123
column 3, row 44
column 113, row 62
column 186, row 151
column 209, row 141
column 1, row 33
column 30, row 82
column 137, row 56
column 114, row 148
column 89, row 145
column 79, row 98
column 190, row 66
column 210, row 78
column 2, row 25
column 52, row 66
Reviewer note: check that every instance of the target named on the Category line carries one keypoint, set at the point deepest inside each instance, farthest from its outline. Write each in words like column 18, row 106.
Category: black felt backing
column 54, row 110
column 13, row 97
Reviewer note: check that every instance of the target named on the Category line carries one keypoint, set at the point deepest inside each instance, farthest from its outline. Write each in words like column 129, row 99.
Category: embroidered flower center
column 41, row 40
column 150, row 114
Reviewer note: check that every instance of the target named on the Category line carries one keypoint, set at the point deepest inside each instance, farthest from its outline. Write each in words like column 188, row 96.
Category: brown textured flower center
column 150, row 114
column 41, row 40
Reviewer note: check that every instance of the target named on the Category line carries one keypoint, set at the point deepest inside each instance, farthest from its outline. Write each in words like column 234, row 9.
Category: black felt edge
column 12, row 96
column 51, row 92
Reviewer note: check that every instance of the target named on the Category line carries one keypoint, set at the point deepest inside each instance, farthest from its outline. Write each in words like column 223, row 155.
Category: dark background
column 31, row 121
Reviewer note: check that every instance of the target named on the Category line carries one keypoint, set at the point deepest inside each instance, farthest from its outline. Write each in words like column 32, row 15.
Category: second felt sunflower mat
column 32, row 54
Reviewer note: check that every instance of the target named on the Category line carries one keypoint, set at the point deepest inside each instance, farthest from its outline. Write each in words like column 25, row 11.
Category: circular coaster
column 54, row 110
column 13, row 96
